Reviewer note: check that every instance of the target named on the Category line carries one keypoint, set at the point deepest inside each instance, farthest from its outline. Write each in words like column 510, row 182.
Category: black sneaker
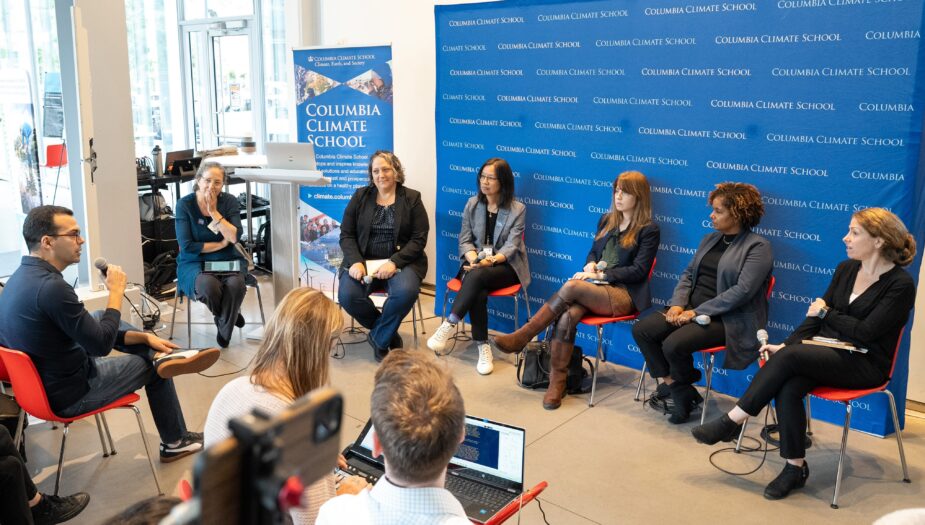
column 186, row 362
column 57, row 509
column 792, row 477
column 190, row 444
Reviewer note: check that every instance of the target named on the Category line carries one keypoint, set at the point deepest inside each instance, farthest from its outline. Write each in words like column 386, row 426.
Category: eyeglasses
column 75, row 234
column 486, row 177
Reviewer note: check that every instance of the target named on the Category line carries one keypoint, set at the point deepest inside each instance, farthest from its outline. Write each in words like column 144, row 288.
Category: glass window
column 277, row 71
column 156, row 77
column 33, row 162
column 199, row 9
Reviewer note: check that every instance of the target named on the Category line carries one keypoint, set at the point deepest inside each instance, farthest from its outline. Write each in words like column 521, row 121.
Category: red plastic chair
column 5, row 377
column 600, row 323
column 31, row 396
column 846, row 396
column 514, row 507
column 511, row 291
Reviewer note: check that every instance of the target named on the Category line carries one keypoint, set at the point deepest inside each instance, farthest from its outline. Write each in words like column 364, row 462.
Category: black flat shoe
column 380, row 353
column 684, row 399
column 239, row 322
column 792, row 477
column 396, row 342
column 716, row 430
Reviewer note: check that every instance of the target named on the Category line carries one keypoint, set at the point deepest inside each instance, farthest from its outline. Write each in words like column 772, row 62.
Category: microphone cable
column 764, row 451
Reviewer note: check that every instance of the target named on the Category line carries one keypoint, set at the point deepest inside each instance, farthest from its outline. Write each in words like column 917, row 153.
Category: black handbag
column 533, row 369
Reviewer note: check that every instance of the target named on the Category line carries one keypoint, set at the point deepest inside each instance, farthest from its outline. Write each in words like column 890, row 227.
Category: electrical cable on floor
column 764, row 455
column 540, row 506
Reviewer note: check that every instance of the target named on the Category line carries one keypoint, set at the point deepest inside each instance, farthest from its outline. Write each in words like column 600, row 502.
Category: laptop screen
column 492, row 448
column 489, row 447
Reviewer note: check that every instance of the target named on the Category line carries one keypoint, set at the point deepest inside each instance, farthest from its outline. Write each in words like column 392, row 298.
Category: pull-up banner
column 816, row 102
column 344, row 108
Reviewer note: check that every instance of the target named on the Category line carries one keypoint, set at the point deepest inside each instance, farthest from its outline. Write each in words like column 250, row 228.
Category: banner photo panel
column 343, row 108
column 819, row 104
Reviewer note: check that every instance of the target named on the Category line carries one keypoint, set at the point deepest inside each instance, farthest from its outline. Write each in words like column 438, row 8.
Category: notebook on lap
column 485, row 474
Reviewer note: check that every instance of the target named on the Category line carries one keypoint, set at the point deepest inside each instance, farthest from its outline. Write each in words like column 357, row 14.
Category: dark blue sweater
column 41, row 315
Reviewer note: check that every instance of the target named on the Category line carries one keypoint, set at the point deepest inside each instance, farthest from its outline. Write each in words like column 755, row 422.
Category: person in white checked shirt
column 418, row 421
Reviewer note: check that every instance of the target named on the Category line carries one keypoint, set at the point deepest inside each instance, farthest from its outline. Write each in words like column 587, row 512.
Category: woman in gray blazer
column 724, row 287
column 626, row 241
column 492, row 247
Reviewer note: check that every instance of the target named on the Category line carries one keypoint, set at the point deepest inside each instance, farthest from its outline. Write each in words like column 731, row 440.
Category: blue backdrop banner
column 344, row 108
column 816, row 102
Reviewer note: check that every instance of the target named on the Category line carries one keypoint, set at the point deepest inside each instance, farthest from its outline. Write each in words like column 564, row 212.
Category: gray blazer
column 742, row 279
column 508, row 235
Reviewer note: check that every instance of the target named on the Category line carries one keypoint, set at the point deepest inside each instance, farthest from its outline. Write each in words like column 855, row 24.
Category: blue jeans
column 115, row 377
column 403, row 289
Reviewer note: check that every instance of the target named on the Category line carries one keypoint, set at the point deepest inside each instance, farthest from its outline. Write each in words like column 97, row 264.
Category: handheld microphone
column 702, row 319
column 101, row 265
column 368, row 281
column 762, row 336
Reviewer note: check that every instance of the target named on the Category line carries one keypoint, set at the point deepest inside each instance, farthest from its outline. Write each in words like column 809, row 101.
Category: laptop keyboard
column 489, row 497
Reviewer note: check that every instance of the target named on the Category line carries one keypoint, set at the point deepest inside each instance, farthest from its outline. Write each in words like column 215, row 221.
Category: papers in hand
column 833, row 343
column 373, row 265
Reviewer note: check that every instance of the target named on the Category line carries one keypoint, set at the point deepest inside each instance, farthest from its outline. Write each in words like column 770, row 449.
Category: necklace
column 727, row 243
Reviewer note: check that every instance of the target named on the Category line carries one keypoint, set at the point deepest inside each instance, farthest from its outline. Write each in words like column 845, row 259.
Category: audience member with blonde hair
column 293, row 360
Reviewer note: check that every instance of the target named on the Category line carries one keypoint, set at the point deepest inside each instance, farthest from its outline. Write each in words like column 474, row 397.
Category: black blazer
column 873, row 320
column 632, row 271
column 411, row 228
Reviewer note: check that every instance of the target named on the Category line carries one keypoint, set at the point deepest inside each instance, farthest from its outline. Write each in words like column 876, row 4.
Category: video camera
column 259, row 474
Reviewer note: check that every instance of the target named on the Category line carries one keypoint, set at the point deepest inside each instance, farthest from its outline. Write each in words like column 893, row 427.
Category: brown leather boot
column 549, row 312
column 560, row 355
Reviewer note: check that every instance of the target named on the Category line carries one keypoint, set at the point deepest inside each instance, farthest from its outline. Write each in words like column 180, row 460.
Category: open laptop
column 290, row 156
column 485, row 475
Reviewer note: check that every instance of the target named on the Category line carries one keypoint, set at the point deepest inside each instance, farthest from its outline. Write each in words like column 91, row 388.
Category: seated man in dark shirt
column 41, row 315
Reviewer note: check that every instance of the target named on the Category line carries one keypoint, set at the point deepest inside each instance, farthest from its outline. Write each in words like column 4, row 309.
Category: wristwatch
column 824, row 311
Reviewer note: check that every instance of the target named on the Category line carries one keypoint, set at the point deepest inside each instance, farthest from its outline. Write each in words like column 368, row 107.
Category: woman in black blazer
column 866, row 305
column 384, row 222
column 725, row 288
column 626, row 241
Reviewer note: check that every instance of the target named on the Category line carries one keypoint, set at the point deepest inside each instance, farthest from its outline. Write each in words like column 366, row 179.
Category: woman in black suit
column 866, row 305
column 387, row 223
column 627, row 241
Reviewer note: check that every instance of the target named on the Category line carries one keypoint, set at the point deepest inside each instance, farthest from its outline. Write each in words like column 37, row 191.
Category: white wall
column 916, row 389
column 408, row 25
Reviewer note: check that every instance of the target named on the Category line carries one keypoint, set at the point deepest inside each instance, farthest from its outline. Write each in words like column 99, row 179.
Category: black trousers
column 792, row 373
column 669, row 349
column 223, row 293
column 473, row 296
column 16, row 487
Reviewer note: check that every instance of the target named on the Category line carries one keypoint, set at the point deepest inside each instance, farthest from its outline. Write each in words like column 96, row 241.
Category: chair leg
column 61, row 458
column 189, row 323
column 741, row 435
column 173, row 318
column 527, row 302
column 809, row 417
column 642, row 378
column 421, row 317
column 263, row 319
column 841, row 455
column 446, row 296
column 144, row 440
column 414, row 323
column 597, row 364
column 112, row 448
column 708, row 365
column 899, row 436
column 99, row 430
column 17, row 439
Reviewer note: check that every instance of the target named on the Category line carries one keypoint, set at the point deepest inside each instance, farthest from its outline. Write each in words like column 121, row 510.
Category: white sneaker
column 437, row 342
column 485, row 364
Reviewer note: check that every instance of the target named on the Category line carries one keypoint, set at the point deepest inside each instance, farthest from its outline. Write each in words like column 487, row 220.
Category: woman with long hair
column 613, row 282
column 292, row 360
